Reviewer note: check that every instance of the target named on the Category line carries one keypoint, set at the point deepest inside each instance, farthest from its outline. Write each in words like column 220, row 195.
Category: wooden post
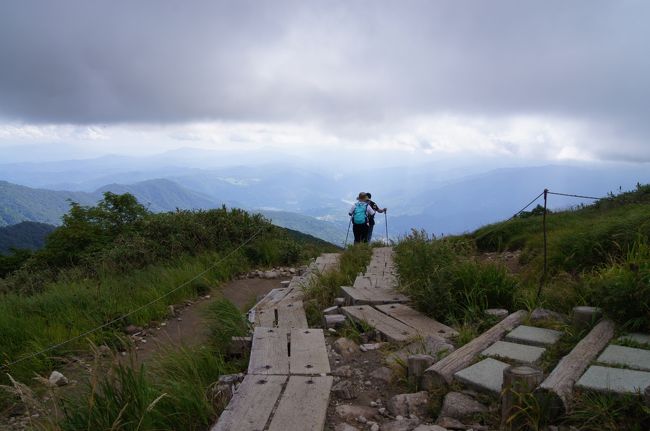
column 518, row 384
column 584, row 317
column 417, row 365
column 555, row 392
column 441, row 373
column 542, row 282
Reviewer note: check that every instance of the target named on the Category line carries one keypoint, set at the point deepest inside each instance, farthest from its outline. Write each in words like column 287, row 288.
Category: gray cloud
column 333, row 62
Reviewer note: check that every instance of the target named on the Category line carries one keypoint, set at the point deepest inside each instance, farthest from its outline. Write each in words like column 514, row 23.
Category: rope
column 130, row 313
column 524, row 208
column 574, row 196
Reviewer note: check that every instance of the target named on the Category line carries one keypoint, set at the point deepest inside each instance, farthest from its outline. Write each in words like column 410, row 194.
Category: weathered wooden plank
column 265, row 317
column 308, row 352
column 441, row 373
column 303, row 406
column 557, row 389
column 423, row 325
column 372, row 295
column 392, row 329
column 252, row 404
column 292, row 315
column 270, row 298
column 269, row 352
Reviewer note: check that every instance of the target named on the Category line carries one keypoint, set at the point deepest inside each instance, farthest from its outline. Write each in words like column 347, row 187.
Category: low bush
column 447, row 282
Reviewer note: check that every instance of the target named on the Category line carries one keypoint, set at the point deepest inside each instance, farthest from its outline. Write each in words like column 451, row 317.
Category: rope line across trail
column 574, row 196
column 132, row 312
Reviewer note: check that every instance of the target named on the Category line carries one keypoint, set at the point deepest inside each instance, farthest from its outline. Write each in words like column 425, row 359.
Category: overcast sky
column 542, row 80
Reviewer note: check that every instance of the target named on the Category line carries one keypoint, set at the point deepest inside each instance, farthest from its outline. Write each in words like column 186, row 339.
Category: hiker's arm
column 351, row 211
column 370, row 211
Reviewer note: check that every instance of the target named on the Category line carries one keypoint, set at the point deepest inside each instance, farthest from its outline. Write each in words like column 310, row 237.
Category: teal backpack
column 359, row 215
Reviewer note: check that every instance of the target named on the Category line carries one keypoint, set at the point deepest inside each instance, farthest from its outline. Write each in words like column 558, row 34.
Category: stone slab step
column 637, row 338
column 303, row 405
column 252, row 404
column 390, row 328
column 618, row 380
column 637, row 359
column 486, row 375
column 422, row 324
column 516, row 352
column 533, row 336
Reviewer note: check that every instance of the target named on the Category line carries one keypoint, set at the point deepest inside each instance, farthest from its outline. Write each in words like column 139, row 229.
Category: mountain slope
column 27, row 234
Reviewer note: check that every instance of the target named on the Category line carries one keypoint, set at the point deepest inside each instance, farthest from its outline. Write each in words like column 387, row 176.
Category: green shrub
column 225, row 321
column 446, row 282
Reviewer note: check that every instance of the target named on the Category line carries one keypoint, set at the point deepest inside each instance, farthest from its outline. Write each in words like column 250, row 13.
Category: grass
column 175, row 392
column 325, row 287
column 608, row 412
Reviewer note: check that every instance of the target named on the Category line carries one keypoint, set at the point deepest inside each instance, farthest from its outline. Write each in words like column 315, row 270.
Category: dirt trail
column 189, row 328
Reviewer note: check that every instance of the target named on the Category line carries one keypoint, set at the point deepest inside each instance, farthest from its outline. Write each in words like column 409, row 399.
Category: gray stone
column 352, row 412
column 637, row 338
column 340, row 302
column 384, row 374
column 345, row 427
column 486, row 375
column 533, row 336
column 270, row 275
column 429, row 428
column 544, row 314
column 516, row 352
column 344, row 390
column 637, row 359
column 346, row 347
column 451, row 423
column 460, row 406
column 403, row 425
column 332, row 310
column 333, row 320
column 57, row 379
column 604, row 379
column 343, row 371
column 434, row 346
column 405, row 404
column 371, row 346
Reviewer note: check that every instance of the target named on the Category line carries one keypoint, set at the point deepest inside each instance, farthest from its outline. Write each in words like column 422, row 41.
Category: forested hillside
column 25, row 235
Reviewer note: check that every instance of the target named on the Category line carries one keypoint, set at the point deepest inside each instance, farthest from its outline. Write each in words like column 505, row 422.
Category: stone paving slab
column 533, row 336
column 637, row 338
column 619, row 380
column 516, row 352
column 486, row 375
column 637, row 359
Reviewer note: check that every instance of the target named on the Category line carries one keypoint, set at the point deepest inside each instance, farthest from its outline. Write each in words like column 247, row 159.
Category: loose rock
column 346, row 347
column 345, row 427
column 403, row 425
column 383, row 374
column 352, row 412
column 451, row 423
column 344, row 390
column 544, row 314
column 429, row 428
column 58, row 379
column 405, row 404
column 460, row 406
column 343, row 371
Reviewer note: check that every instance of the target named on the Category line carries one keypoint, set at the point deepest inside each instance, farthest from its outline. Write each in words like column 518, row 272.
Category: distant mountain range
column 19, row 203
column 443, row 197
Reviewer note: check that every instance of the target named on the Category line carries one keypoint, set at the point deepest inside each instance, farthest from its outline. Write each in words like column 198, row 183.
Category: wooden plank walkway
column 250, row 409
column 303, row 405
column 308, row 352
column 392, row 329
column 287, row 387
column 421, row 323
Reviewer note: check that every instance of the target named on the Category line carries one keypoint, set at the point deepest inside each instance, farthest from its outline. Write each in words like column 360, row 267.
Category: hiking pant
column 370, row 228
column 360, row 232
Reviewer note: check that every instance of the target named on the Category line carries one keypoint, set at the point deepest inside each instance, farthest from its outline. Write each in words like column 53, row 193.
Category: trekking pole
column 386, row 223
column 347, row 234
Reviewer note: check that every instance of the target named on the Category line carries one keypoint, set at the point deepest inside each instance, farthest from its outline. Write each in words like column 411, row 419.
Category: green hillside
column 598, row 254
column 25, row 235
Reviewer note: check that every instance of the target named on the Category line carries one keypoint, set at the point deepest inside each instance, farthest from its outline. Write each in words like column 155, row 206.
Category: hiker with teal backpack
column 371, row 219
column 360, row 214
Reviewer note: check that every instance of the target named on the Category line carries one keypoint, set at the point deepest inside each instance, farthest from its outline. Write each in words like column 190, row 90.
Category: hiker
column 361, row 213
column 371, row 219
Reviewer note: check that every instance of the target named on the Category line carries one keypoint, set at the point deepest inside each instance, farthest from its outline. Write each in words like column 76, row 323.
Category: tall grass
column 446, row 282
column 175, row 393
column 321, row 292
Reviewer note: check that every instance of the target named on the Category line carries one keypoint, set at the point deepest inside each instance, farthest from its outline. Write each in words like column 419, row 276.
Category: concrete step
column 618, row 380
column 485, row 376
column 637, row 359
column 533, row 336
column 516, row 352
